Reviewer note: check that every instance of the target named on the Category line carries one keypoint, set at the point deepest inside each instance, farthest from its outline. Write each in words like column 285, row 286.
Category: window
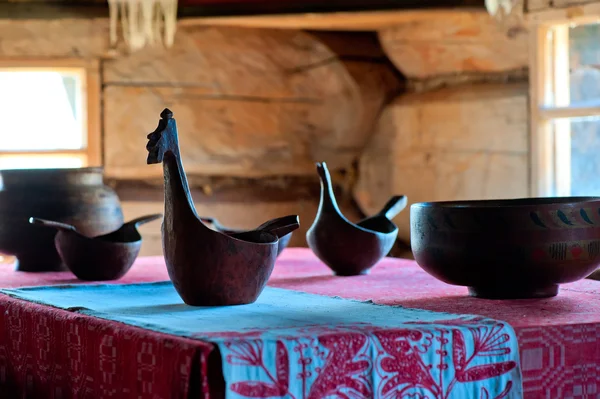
column 50, row 114
column 565, row 79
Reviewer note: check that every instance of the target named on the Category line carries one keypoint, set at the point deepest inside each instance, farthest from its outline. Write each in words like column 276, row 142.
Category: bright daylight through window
column 44, row 123
column 566, row 126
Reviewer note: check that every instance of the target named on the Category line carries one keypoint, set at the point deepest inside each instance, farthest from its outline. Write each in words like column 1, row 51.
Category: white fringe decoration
column 143, row 22
column 505, row 8
column 509, row 15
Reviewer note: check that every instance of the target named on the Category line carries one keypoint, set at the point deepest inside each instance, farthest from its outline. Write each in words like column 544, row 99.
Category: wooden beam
column 452, row 42
column 355, row 20
column 305, row 14
column 347, row 20
column 581, row 13
column 46, row 11
column 210, row 8
column 216, row 189
column 541, row 176
column 568, row 112
column 562, row 127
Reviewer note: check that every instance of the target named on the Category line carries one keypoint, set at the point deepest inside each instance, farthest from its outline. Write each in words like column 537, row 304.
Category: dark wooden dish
column 75, row 196
column 508, row 249
column 346, row 248
column 100, row 258
column 208, row 267
column 283, row 241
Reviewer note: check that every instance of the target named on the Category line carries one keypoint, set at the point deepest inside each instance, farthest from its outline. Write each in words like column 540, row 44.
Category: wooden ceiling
column 228, row 8
column 206, row 8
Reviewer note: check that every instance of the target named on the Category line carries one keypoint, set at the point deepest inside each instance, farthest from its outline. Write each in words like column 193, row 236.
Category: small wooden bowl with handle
column 101, row 258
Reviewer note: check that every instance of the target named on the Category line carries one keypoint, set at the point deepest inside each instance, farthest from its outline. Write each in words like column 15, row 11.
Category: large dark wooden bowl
column 506, row 249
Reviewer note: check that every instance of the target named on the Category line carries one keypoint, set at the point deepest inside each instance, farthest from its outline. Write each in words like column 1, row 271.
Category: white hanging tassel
column 169, row 16
column 509, row 15
column 142, row 20
column 505, row 8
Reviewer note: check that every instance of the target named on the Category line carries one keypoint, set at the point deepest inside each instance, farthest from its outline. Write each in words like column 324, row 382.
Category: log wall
column 256, row 108
column 434, row 107
column 461, row 131
column 459, row 143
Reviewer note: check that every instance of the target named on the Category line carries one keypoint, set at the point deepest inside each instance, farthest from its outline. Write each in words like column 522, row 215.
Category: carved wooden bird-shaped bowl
column 208, row 267
column 100, row 258
column 283, row 241
column 508, row 249
column 345, row 247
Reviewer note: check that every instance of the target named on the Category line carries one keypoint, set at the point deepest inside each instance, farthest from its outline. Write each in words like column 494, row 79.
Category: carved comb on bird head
column 156, row 143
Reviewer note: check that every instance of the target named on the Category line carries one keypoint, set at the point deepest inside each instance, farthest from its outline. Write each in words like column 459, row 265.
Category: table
column 42, row 347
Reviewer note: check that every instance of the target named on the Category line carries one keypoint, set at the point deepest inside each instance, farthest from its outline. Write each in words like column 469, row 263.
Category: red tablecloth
column 53, row 353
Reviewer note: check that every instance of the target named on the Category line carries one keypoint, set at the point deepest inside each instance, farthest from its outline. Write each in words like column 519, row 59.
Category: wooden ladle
column 105, row 257
column 283, row 241
column 208, row 267
column 345, row 247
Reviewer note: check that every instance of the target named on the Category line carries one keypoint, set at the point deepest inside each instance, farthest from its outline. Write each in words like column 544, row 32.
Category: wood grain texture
column 462, row 42
column 532, row 5
column 250, row 8
column 459, row 143
column 580, row 13
column 361, row 21
column 226, row 62
column 566, row 3
column 20, row 11
column 61, row 37
column 249, row 103
column 65, row 2
column 213, row 190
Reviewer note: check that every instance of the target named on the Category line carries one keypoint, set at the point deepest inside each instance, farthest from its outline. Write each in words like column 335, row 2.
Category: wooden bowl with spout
column 100, row 258
column 208, row 267
column 214, row 223
column 508, row 249
column 347, row 248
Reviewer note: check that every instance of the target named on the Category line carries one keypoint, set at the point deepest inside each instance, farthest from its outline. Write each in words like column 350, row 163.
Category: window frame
column 549, row 110
column 89, row 72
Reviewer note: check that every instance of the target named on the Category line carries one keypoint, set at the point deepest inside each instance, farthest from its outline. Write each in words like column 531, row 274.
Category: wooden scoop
column 345, row 247
column 105, row 257
column 283, row 239
column 381, row 221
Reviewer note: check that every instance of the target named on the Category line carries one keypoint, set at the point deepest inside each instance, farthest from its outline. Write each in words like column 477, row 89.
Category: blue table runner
column 299, row 345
